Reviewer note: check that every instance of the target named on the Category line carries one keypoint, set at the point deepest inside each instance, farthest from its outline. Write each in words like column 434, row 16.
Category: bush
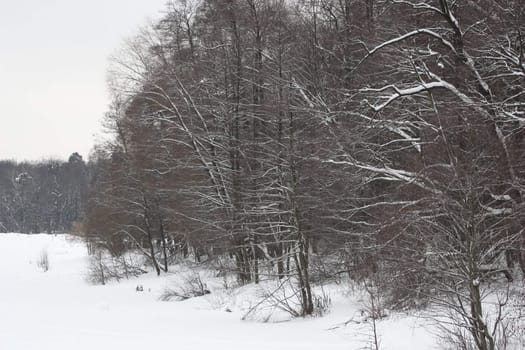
column 322, row 303
column 193, row 286
column 103, row 268
column 283, row 299
column 43, row 261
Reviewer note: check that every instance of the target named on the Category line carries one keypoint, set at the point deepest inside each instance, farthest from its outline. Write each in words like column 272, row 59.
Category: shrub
column 193, row 286
column 43, row 261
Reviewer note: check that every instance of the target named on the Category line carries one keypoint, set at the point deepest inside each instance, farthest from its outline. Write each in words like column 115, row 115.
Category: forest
column 45, row 196
column 310, row 140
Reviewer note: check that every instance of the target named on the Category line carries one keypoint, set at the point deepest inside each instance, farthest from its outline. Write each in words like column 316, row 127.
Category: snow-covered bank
column 58, row 310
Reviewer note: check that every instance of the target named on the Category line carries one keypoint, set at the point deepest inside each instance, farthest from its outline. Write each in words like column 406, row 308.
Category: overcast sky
column 53, row 61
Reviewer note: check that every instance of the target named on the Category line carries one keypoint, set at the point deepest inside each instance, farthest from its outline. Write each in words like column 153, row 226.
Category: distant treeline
column 45, row 196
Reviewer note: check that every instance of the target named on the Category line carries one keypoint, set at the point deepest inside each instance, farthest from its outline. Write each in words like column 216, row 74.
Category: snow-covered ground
column 59, row 310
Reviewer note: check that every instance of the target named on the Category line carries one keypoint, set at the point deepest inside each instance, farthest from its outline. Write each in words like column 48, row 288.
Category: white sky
column 53, row 61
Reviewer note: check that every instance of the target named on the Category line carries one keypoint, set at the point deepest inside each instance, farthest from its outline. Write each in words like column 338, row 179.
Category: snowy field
column 59, row 310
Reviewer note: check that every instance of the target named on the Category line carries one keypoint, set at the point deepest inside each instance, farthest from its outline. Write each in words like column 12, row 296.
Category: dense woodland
column 381, row 140
column 46, row 196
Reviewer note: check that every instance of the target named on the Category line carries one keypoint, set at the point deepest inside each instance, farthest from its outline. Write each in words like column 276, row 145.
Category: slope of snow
column 59, row 310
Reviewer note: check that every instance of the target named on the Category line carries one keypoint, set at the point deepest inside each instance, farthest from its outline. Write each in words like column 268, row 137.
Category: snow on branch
column 403, row 37
column 415, row 141
column 388, row 173
column 397, row 92
column 303, row 94
column 515, row 58
column 419, row 5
